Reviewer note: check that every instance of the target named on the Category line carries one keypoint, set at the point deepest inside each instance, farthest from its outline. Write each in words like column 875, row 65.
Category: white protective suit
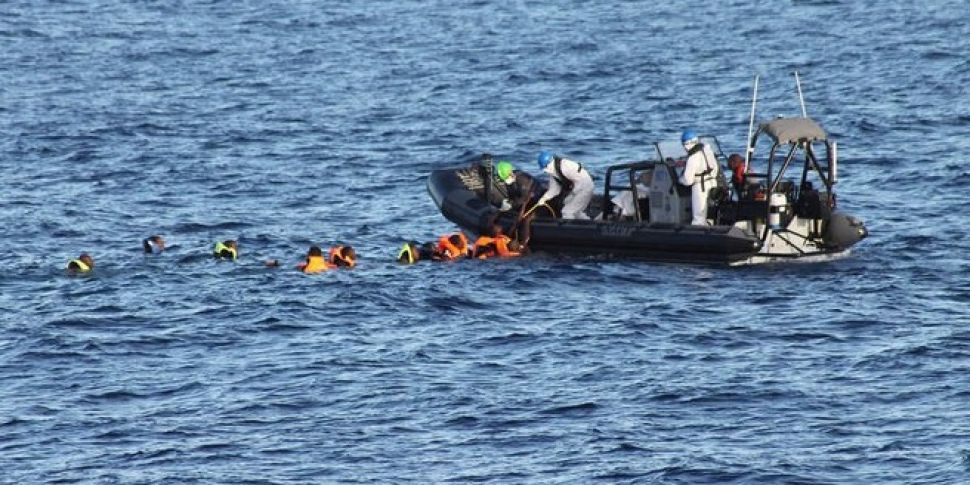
column 624, row 200
column 700, row 174
column 574, row 205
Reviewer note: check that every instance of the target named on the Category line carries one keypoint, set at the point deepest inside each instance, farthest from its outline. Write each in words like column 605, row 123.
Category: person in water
column 495, row 245
column 567, row 179
column 342, row 257
column 700, row 174
column 452, row 246
column 83, row 264
column 153, row 244
column 411, row 252
column 227, row 249
column 315, row 262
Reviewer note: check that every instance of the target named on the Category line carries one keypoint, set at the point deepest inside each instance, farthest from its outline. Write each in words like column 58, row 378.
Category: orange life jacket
column 315, row 264
column 450, row 250
column 343, row 256
column 487, row 247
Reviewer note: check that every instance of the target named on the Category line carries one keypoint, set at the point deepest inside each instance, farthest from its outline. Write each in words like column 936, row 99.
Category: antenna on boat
column 754, row 102
column 801, row 99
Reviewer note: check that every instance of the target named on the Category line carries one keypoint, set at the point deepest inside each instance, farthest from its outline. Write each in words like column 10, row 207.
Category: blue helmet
column 544, row 159
column 688, row 135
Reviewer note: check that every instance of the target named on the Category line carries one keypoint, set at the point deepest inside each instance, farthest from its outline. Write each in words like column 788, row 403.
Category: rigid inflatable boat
column 758, row 217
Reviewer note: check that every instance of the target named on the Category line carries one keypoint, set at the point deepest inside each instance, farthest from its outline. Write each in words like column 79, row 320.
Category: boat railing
column 629, row 184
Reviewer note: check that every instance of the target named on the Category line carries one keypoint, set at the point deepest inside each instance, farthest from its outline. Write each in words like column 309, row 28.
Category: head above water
column 457, row 240
column 83, row 264
column 315, row 251
column 343, row 256
column 409, row 253
column 226, row 249
column 153, row 244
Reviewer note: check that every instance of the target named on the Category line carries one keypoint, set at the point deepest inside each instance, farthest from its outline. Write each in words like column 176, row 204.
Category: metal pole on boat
column 833, row 171
column 487, row 162
column 801, row 99
column 754, row 102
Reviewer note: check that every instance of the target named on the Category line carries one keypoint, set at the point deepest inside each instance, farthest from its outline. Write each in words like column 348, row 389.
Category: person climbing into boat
column 227, row 249
column 342, row 257
column 496, row 244
column 700, row 174
column 567, row 179
column 153, row 244
column 452, row 246
column 315, row 262
column 83, row 264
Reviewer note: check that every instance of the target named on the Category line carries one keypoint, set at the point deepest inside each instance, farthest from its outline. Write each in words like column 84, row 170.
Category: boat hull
column 463, row 203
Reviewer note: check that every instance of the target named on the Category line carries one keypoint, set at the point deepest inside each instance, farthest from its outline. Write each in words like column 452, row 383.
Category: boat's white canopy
column 792, row 130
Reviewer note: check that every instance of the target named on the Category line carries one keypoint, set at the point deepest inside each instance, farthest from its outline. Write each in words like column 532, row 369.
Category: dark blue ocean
column 289, row 123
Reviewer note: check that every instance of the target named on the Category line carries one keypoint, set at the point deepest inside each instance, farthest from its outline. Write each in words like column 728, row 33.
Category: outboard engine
column 843, row 230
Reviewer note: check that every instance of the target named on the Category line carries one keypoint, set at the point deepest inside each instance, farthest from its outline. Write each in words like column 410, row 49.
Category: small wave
column 23, row 33
column 816, row 3
column 628, row 448
column 454, row 303
column 196, row 227
column 464, row 422
column 571, row 410
column 511, row 338
column 114, row 395
column 936, row 55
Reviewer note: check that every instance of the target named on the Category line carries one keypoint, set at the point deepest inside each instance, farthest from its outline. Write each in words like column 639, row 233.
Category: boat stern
column 844, row 231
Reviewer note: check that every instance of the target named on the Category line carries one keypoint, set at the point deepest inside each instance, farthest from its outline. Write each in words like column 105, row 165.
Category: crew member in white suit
column 700, row 174
column 569, row 178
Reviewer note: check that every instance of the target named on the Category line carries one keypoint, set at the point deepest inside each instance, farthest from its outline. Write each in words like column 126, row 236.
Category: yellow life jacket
column 81, row 267
column 316, row 264
column 220, row 247
column 408, row 254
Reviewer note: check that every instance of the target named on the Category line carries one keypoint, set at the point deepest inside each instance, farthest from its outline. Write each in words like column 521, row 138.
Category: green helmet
column 504, row 169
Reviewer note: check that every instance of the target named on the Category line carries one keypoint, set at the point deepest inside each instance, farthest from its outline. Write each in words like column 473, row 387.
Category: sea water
column 288, row 124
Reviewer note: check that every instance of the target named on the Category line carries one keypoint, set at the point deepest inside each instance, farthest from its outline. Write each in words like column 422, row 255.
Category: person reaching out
column 567, row 179
column 517, row 186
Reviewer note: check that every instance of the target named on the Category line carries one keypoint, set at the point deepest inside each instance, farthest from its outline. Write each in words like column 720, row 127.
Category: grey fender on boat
column 843, row 231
